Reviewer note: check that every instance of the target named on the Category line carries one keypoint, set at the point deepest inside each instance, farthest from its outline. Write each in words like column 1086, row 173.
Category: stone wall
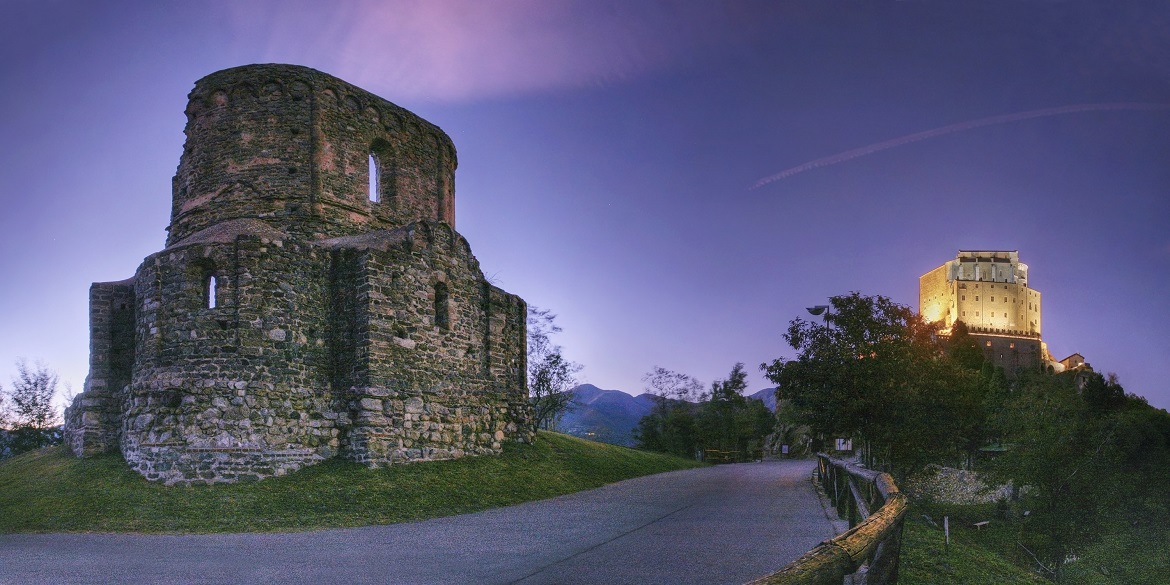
column 293, row 318
column 294, row 145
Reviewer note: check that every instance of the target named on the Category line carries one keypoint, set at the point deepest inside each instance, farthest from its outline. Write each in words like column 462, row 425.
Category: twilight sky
column 608, row 150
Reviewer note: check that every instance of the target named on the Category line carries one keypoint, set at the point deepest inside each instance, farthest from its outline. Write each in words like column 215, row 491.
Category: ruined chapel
column 313, row 299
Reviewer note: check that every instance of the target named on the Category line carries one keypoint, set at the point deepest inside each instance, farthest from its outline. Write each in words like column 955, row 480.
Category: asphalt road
column 723, row 524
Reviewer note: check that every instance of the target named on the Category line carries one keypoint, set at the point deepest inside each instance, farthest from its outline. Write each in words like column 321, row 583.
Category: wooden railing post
column 875, row 509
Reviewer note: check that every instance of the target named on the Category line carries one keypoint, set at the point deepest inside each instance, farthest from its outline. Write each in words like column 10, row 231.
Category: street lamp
column 818, row 310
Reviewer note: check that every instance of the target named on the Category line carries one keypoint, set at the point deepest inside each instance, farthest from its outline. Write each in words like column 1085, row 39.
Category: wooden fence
column 868, row 551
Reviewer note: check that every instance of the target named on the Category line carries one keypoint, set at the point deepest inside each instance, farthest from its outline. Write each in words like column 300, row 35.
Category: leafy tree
column 717, row 417
column 670, row 427
column 34, row 421
column 673, row 431
column 550, row 375
column 729, row 421
column 876, row 372
column 1089, row 460
column 723, row 419
column 1102, row 393
column 3, row 410
column 667, row 385
column 963, row 350
column 32, row 396
column 1063, row 456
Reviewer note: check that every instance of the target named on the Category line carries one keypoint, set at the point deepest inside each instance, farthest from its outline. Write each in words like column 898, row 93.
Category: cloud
column 462, row 50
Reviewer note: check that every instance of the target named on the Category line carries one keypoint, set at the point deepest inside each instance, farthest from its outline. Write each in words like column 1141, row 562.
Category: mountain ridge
column 610, row 416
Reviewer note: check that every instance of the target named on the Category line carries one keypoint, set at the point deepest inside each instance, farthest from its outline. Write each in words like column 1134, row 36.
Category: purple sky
column 607, row 152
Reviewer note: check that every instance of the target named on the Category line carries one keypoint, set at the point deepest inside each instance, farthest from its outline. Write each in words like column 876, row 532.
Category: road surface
column 722, row 524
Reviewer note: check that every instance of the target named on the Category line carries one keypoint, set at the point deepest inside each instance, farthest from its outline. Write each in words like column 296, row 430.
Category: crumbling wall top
column 308, row 154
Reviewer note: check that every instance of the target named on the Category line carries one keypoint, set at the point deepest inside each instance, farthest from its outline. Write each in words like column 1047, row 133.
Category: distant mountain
column 768, row 396
column 608, row 416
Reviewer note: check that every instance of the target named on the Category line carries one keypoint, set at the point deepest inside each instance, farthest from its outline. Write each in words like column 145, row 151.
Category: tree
column 667, row 385
column 34, row 419
column 963, row 349
column 670, row 427
column 1064, row 456
column 876, row 372
column 722, row 420
column 550, row 375
column 729, row 421
column 32, row 396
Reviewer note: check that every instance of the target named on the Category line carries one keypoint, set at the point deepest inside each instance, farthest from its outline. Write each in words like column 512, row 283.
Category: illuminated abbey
column 988, row 291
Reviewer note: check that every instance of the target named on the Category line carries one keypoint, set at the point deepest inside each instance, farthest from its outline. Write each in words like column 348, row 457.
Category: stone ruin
column 313, row 299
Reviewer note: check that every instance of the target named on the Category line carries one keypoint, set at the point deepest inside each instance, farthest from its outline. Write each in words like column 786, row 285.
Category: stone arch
column 272, row 89
column 243, row 91
column 217, row 98
column 298, row 90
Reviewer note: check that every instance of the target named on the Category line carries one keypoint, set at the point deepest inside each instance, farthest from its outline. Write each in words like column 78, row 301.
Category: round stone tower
column 308, row 154
column 313, row 300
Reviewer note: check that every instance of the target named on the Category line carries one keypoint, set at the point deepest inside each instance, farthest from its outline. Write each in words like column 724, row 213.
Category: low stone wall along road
column 722, row 524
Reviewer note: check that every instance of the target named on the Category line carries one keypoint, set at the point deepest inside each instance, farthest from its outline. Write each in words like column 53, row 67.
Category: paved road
column 723, row 524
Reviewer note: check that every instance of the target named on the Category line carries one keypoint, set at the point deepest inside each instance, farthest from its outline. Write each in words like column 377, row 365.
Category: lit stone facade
column 313, row 300
column 988, row 291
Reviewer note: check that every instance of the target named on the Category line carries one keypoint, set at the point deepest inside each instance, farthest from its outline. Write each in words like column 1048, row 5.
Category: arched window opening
column 442, row 307
column 209, row 291
column 374, row 186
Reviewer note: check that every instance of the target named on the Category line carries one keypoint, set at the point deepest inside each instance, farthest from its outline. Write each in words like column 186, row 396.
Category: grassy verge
column 1135, row 555
column 927, row 560
column 52, row 491
column 1123, row 553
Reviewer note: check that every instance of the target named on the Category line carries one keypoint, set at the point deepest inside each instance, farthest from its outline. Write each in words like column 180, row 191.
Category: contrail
column 990, row 121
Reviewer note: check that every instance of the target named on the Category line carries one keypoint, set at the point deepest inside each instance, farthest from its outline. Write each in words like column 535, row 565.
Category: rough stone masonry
column 313, row 299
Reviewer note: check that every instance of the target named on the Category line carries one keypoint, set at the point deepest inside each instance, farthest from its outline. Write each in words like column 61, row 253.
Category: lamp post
column 819, row 310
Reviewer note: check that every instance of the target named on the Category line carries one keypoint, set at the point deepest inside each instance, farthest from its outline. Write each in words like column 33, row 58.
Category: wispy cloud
column 458, row 50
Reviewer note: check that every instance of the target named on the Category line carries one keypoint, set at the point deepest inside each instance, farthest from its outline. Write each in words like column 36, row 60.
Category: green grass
column 1134, row 555
column 926, row 560
column 1123, row 553
column 51, row 491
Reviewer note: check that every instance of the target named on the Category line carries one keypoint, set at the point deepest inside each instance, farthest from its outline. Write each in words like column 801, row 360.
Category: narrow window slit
column 373, row 179
column 442, row 307
column 211, row 291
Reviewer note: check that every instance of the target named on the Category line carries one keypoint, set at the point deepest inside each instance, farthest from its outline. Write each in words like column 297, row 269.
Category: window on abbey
column 442, row 307
column 373, row 187
column 209, row 291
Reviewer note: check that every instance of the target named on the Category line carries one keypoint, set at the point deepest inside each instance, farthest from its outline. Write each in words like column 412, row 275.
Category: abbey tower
column 988, row 291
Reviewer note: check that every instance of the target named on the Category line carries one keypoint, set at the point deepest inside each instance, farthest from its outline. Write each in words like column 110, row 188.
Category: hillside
column 50, row 490
column 608, row 416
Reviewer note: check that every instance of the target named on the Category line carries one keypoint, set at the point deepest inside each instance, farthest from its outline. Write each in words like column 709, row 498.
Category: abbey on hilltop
column 988, row 291
column 313, row 299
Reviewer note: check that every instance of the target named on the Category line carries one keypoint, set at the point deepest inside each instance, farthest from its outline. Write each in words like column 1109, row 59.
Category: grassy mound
column 52, row 491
